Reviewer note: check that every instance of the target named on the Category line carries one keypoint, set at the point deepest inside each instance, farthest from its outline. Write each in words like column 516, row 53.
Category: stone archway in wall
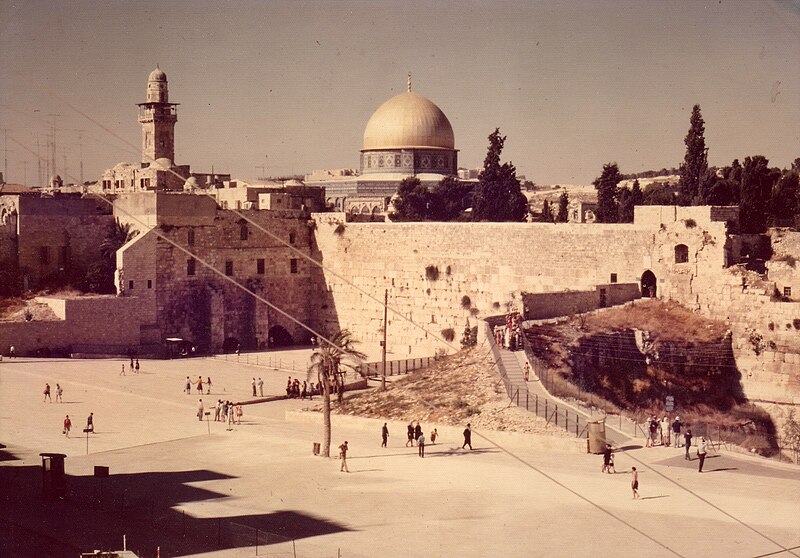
column 649, row 284
column 230, row 345
column 279, row 337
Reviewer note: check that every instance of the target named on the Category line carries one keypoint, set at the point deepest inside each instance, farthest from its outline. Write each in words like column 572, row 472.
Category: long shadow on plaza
column 145, row 507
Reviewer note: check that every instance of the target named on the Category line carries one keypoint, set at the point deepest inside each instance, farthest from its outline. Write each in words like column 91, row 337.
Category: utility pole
column 38, row 163
column 5, row 154
column 385, row 327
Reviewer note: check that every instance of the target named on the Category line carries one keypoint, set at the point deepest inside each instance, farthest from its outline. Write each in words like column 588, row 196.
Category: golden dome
column 408, row 120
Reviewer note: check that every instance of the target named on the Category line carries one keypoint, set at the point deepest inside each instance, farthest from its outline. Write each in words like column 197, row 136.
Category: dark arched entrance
column 279, row 337
column 230, row 345
column 648, row 284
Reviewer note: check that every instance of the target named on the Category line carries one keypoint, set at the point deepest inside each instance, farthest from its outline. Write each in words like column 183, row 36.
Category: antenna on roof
column 409, row 82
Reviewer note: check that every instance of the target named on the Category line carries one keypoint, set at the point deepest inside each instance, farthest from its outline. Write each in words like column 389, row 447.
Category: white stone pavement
column 520, row 499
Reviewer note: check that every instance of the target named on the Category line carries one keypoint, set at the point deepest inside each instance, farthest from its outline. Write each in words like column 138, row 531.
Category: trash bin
column 597, row 435
column 316, row 448
column 54, row 481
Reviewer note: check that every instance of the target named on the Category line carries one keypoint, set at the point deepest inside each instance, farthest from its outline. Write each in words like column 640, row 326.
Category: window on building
column 243, row 232
column 130, row 285
column 44, row 255
column 149, row 283
column 190, row 237
column 291, row 238
column 293, row 265
column 681, row 253
column 190, row 266
column 229, row 268
column 787, row 292
column 260, row 266
column 613, row 277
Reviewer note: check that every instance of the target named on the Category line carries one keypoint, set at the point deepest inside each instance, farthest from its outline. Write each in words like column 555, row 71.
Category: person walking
column 421, row 445
column 384, row 435
column 676, row 431
column 199, row 385
column 90, row 422
column 467, row 437
column 187, row 389
column 67, row 426
column 208, row 385
column 122, row 370
column 417, row 431
column 434, row 435
column 606, row 459
column 261, row 387
column 526, row 372
column 410, row 441
column 136, row 366
column 217, row 409
column 687, row 442
column 59, row 393
column 47, row 393
column 253, row 384
column 343, row 456
column 230, row 417
column 701, row 452
column 12, row 352
column 635, row 482
column 239, row 413
column 200, row 410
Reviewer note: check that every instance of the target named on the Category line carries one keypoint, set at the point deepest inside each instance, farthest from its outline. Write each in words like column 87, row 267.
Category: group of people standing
column 295, row 390
column 672, row 433
column 414, row 434
column 134, row 367
column 510, row 336
column 224, row 411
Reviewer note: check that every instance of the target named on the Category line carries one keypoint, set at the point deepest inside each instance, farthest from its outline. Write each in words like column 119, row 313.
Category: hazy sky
column 291, row 85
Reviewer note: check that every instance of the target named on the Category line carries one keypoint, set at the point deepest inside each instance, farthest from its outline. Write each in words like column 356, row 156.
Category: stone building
column 157, row 170
column 44, row 237
column 408, row 135
column 202, row 273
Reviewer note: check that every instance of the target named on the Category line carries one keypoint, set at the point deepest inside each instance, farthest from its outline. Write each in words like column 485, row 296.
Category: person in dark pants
column 384, row 435
column 687, row 440
column 421, row 444
column 410, row 441
column 701, row 453
column 417, row 431
column 467, row 437
column 606, row 459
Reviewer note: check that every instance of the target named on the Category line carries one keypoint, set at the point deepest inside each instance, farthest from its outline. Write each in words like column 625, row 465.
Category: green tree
column 757, row 182
column 498, row 196
column 450, row 197
column 625, row 208
column 547, row 213
column 412, row 201
column 563, row 207
column 695, row 162
column 658, row 193
column 784, row 199
column 327, row 362
column 606, row 186
column 100, row 274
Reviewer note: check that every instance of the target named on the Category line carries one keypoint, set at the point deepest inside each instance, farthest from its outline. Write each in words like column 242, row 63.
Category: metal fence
column 549, row 410
column 393, row 367
column 269, row 360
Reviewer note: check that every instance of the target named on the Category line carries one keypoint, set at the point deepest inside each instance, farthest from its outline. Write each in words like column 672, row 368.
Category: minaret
column 158, row 117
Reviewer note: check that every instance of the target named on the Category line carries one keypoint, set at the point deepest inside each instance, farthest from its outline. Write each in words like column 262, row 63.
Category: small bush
column 466, row 302
column 474, row 311
column 447, row 270
column 771, row 326
column 495, row 305
column 796, row 323
column 432, row 273
column 28, row 315
column 340, row 228
column 449, row 334
column 788, row 259
column 690, row 223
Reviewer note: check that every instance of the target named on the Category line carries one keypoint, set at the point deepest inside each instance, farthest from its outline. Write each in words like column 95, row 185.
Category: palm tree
column 327, row 362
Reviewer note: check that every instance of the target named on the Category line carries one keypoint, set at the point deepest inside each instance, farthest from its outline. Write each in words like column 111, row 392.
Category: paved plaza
column 194, row 489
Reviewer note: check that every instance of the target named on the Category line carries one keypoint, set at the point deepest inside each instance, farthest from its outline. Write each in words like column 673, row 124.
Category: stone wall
column 492, row 264
column 540, row 306
column 96, row 324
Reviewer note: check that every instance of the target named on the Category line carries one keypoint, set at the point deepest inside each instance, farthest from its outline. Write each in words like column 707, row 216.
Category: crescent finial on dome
column 409, row 82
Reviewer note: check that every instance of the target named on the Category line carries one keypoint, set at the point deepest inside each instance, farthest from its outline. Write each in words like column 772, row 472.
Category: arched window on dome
column 681, row 254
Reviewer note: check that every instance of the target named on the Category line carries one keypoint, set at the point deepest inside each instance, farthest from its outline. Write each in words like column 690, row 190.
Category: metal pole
column 385, row 327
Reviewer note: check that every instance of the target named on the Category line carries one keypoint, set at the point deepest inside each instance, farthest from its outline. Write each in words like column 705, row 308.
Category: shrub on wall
column 449, row 334
column 432, row 273
column 340, row 228
column 466, row 302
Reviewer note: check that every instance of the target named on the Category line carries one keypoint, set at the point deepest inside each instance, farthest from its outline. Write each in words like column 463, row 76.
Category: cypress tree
column 498, row 196
column 695, row 162
column 606, row 185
